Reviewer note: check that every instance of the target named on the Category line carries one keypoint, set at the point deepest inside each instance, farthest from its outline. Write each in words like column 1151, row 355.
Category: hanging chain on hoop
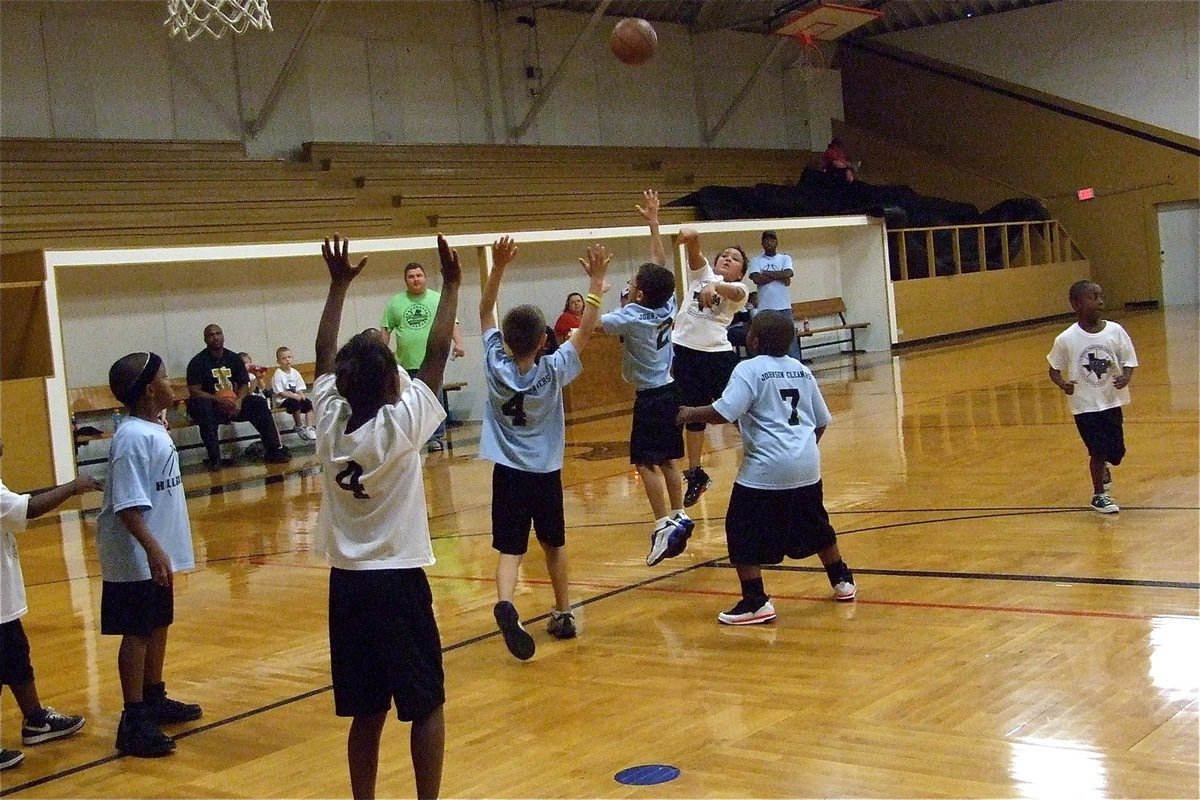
column 193, row 17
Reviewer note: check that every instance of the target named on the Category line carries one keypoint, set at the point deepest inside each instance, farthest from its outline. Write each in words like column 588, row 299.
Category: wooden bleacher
column 122, row 193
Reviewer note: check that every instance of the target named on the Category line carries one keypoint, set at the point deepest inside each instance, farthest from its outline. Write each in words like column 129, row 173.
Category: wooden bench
column 97, row 403
column 835, row 307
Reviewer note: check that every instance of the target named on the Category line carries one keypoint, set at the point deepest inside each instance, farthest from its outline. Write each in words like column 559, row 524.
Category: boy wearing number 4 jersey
column 524, row 434
column 372, row 423
column 777, row 508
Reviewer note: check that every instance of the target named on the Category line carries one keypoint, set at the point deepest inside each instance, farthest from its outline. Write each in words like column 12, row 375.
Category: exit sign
column 1086, row 194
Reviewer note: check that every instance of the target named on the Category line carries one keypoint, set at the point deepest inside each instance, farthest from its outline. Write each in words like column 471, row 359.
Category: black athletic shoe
column 697, row 484
column 10, row 758
column 280, row 456
column 138, row 736
column 53, row 726
column 516, row 638
column 167, row 710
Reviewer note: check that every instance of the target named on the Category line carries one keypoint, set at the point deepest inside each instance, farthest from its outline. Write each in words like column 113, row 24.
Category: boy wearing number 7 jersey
column 777, row 508
column 524, row 435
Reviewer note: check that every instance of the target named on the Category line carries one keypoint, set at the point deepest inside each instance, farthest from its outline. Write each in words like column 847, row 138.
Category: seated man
column 219, row 389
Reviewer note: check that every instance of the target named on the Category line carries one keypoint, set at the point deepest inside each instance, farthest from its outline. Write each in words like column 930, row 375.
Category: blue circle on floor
column 647, row 774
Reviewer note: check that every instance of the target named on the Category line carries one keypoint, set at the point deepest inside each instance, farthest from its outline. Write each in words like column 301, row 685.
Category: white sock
column 662, row 523
column 679, row 513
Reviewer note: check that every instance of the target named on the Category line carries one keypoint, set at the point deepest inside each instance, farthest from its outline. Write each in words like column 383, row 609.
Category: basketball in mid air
column 633, row 41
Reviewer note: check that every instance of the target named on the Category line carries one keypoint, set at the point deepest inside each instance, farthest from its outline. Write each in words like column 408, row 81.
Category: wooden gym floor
column 1007, row 641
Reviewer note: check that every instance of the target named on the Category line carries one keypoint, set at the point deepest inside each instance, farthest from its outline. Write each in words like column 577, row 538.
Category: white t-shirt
column 776, row 294
column 14, row 513
column 143, row 472
column 778, row 408
column 289, row 380
column 523, row 422
column 1091, row 360
column 373, row 505
column 705, row 328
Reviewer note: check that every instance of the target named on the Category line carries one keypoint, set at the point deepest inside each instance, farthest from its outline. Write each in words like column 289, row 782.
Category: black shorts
column 135, row 608
column 702, row 376
column 521, row 499
column 655, row 437
column 764, row 525
column 1103, row 433
column 384, row 643
column 15, row 667
column 292, row 405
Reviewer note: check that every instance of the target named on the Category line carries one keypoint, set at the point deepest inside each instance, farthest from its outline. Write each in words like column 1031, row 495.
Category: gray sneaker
column 561, row 625
column 1104, row 504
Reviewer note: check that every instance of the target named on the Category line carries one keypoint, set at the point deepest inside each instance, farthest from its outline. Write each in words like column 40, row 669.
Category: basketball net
column 193, row 17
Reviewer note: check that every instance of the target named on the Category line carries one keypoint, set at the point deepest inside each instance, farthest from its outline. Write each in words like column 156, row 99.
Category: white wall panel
column 23, row 81
column 1136, row 58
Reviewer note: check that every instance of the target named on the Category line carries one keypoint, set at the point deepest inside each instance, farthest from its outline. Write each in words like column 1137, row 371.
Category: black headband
column 148, row 372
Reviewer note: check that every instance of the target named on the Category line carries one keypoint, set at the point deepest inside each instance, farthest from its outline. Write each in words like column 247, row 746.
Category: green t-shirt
column 411, row 319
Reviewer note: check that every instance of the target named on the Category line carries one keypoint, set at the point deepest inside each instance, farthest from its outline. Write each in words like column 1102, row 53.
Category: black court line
column 253, row 712
column 987, row 576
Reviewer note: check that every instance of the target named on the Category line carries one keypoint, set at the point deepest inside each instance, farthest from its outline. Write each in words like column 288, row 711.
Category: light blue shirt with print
column 646, row 342
column 776, row 295
column 143, row 472
column 778, row 407
column 523, row 422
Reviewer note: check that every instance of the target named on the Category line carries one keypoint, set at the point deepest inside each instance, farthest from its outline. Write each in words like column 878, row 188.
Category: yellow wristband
column 592, row 300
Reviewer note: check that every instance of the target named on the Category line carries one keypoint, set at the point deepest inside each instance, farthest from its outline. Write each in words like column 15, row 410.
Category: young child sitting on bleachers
column 290, row 394
column 256, row 374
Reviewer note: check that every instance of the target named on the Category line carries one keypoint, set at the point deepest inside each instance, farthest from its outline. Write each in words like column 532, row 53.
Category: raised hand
column 451, row 269
column 597, row 261
column 337, row 258
column 650, row 210
column 504, row 251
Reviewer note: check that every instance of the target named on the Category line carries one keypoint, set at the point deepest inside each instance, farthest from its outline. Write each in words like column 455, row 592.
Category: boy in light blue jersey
column 777, row 508
column 524, row 434
column 644, row 324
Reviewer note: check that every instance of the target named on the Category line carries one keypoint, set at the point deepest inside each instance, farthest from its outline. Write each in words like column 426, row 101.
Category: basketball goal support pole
column 531, row 115
column 741, row 95
column 255, row 126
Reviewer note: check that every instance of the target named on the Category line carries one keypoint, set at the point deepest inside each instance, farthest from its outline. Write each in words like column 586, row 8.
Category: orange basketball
column 633, row 41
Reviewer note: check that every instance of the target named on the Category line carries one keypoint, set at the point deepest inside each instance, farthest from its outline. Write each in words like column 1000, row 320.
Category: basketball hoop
column 193, row 17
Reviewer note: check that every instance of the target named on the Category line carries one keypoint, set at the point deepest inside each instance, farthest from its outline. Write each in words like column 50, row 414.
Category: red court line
column 1055, row 612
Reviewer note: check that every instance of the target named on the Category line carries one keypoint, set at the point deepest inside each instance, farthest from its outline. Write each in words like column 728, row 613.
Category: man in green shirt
column 409, row 315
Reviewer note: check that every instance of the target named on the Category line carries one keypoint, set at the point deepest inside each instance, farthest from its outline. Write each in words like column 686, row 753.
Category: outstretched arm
column 504, row 251
column 337, row 259
column 50, row 499
column 658, row 255
column 437, row 349
column 596, row 266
